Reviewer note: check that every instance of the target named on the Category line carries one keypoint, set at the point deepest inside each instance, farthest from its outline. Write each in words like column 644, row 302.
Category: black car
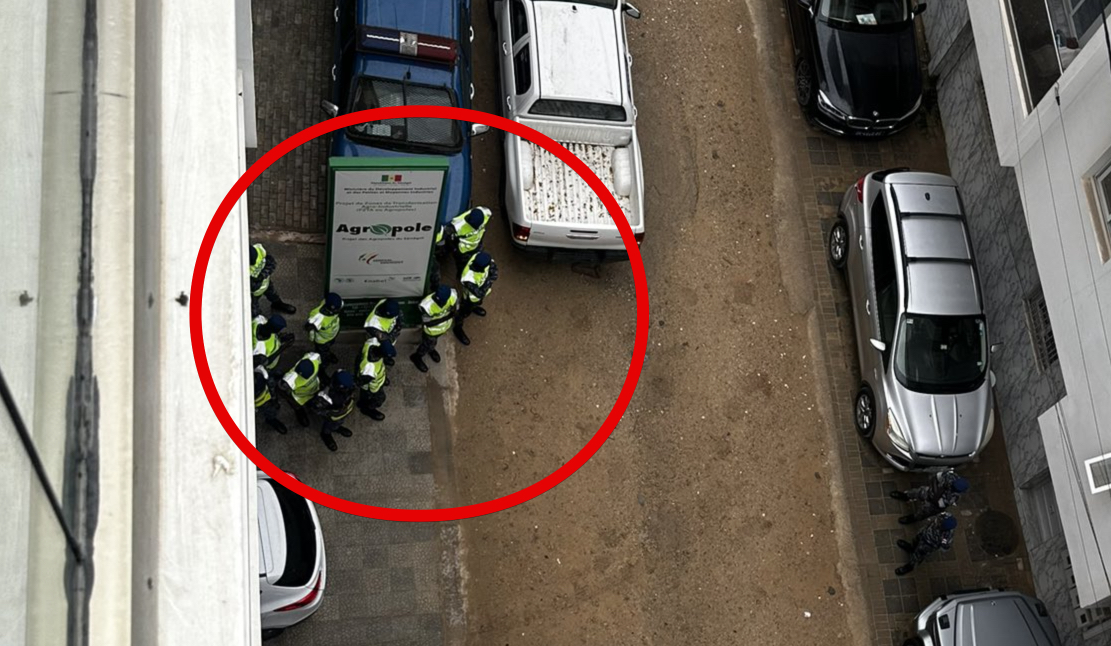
column 856, row 64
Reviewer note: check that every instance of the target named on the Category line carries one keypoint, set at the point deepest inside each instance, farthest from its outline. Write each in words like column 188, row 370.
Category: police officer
column 267, row 344
column 262, row 265
column 477, row 280
column 334, row 405
column 372, row 377
column 942, row 492
column 382, row 323
column 936, row 535
column 302, row 383
column 323, row 326
column 437, row 314
column 462, row 237
column 265, row 403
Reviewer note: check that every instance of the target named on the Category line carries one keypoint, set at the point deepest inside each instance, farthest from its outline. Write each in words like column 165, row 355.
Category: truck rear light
column 520, row 233
column 293, row 475
column 307, row 599
column 639, row 237
column 860, row 190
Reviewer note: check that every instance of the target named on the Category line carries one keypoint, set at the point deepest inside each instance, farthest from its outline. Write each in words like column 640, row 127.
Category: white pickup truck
column 565, row 72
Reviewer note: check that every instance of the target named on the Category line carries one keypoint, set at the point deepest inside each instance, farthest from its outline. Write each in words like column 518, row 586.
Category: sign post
column 382, row 219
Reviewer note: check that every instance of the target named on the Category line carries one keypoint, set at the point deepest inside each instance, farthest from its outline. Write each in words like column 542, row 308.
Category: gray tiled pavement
column 385, row 581
column 825, row 167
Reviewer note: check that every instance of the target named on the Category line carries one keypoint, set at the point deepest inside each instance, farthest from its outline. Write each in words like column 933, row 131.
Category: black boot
column 388, row 360
column 907, row 520
column 374, row 414
column 277, row 425
column 899, row 495
column 905, row 546
column 329, row 441
column 302, row 416
column 461, row 335
column 418, row 361
column 904, row 569
column 478, row 311
column 283, row 307
column 344, row 431
column 434, row 356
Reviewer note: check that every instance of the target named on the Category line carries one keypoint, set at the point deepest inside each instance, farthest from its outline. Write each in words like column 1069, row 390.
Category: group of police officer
column 932, row 503
column 308, row 387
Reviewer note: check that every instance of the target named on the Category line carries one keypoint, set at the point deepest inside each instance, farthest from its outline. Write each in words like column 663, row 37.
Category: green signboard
column 382, row 216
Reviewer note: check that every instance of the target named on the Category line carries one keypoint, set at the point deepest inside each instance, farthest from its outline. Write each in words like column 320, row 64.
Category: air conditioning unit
column 1099, row 473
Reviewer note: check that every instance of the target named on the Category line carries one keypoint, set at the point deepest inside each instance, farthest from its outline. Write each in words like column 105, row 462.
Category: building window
column 1041, row 332
column 1044, row 521
column 1097, row 186
column 1048, row 35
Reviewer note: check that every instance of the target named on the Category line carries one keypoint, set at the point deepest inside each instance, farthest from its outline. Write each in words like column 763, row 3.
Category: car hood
column 870, row 74
column 944, row 425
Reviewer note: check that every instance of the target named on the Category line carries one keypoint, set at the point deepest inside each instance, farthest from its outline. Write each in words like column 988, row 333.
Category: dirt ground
column 710, row 516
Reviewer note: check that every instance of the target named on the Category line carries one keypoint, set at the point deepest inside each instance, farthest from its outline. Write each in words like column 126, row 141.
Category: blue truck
column 406, row 52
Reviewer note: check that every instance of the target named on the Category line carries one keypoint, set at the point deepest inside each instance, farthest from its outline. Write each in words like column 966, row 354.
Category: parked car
column 922, row 340
column 984, row 618
column 292, row 570
column 406, row 52
column 856, row 64
column 565, row 71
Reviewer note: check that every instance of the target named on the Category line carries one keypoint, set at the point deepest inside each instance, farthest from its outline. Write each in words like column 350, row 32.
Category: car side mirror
column 631, row 11
column 991, row 377
column 329, row 108
column 479, row 129
column 879, row 345
column 996, row 347
column 919, row 8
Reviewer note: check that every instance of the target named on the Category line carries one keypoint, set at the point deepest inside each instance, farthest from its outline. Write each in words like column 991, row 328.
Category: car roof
column 271, row 532
column 431, row 17
column 941, row 277
column 578, row 52
column 1007, row 619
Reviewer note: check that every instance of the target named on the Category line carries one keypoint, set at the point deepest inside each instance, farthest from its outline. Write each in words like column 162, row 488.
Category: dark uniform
column 265, row 402
column 437, row 316
column 383, row 325
column 477, row 280
column 334, row 405
column 936, row 535
column 942, row 492
column 262, row 265
column 371, row 377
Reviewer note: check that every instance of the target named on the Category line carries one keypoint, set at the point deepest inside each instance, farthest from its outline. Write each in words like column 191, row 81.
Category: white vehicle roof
column 578, row 52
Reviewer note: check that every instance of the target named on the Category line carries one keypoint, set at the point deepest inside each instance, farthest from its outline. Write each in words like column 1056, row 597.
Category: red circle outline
column 640, row 342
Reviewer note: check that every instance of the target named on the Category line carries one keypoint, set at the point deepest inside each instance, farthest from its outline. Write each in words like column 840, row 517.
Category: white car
column 291, row 557
column 565, row 71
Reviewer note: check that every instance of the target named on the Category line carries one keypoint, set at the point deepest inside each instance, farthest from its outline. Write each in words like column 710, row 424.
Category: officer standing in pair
column 302, row 383
column 323, row 326
column 265, row 404
column 936, row 535
column 334, row 405
column 372, row 377
column 477, row 280
column 942, row 492
column 382, row 323
column 267, row 344
column 462, row 237
column 262, row 265
column 437, row 314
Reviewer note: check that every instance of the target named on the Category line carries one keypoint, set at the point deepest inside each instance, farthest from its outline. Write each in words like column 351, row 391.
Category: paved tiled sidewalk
column 825, row 168
column 389, row 583
column 293, row 62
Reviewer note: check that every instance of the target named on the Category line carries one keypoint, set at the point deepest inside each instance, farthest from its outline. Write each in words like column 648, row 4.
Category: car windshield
column 941, row 354
column 408, row 135
column 579, row 110
column 865, row 13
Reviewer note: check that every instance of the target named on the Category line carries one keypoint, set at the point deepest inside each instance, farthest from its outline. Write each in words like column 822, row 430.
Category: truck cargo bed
column 559, row 195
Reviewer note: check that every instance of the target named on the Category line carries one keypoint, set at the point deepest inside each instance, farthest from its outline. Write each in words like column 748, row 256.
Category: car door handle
column 860, row 242
column 472, row 33
column 333, row 72
column 335, row 14
column 472, row 91
column 509, row 103
column 868, row 306
column 505, row 48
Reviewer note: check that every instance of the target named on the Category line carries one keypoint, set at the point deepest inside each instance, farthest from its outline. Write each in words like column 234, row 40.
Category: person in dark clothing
column 476, row 281
column 334, row 405
column 936, row 535
column 262, row 265
column 942, row 492
column 265, row 402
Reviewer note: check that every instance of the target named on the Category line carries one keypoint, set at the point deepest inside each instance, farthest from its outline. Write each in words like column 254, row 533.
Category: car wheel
column 805, row 92
column 839, row 243
column 271, row 633
column 864, row 412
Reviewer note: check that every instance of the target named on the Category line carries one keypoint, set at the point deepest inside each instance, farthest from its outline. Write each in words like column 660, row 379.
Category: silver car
column 984, row 617
column 925, row 400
